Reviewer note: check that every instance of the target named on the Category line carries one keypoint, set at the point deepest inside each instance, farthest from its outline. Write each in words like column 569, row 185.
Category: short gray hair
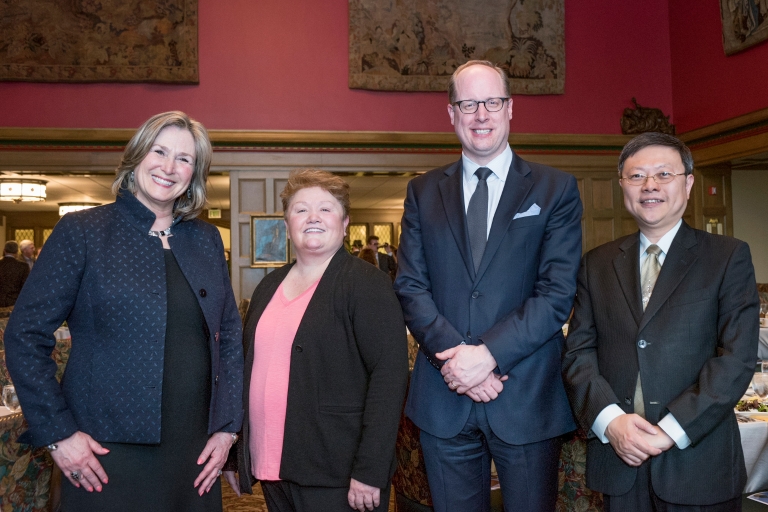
column 140, row 144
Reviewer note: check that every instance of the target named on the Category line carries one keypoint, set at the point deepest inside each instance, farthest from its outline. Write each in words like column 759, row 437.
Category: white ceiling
column 367, row 191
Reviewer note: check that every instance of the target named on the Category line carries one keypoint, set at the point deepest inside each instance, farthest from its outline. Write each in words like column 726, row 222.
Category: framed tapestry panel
column 270, row 241
column 99, row 41
column 745, row 23
column 416, row 45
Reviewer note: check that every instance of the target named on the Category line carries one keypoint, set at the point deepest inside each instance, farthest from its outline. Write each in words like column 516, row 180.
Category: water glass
column 760, row 385
column 10, row 399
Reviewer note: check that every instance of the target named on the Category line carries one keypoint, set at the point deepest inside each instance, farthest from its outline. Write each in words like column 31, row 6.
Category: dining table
column 762, row 347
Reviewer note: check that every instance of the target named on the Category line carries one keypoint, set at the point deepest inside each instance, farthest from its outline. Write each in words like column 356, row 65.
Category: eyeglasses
column 471, row 106
column 660, row 177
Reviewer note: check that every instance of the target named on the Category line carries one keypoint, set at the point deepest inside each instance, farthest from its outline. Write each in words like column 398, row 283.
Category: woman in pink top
column 326, row 366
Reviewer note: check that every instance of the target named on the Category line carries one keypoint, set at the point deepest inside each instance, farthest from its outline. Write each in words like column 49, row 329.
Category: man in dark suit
column 13, row 275
column 662, row 345
column 385, row 261
column 487, row 267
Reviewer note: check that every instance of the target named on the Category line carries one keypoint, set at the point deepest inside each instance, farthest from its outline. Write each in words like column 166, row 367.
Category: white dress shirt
column 500, row 168
column 668, row 423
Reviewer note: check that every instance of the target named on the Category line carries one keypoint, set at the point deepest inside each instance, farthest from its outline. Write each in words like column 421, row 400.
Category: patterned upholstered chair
column 25, row 473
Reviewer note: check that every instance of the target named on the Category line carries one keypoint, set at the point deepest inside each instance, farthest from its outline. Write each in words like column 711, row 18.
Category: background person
column 385, row 262
column 27, row 255
column 152, row 390
column 13, row 275
column 661, row 347
column 326, row 366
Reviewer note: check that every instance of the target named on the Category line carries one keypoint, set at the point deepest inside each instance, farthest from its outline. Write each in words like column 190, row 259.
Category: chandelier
column 65, row 208
column 20, row 189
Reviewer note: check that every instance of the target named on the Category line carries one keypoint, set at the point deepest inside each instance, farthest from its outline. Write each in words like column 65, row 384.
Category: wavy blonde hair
column 141, row 143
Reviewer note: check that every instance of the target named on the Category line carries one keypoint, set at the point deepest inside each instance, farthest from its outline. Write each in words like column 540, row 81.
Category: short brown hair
column 141, row 143
column 11, row 247
column 310, row 177
column 452, row 84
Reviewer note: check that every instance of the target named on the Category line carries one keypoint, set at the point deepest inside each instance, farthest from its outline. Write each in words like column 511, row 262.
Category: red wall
column 707, row 86
column 282, row 64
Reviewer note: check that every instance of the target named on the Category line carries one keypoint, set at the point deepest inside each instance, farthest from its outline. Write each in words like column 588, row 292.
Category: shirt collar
column 499, row 165
column 664, row 242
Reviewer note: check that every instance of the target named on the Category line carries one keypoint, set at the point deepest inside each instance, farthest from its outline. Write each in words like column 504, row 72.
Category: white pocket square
column 533, row 210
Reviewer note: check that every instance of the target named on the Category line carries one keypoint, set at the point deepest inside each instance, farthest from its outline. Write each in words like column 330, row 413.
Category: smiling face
column 166, row 172
column 656, row 208
column 483, row 135
column 316, row 223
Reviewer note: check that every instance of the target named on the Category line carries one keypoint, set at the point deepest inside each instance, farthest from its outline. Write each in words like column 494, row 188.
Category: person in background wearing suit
column 27, row 255
column 487, row 260
column 13, row 275
column 384, row 261
column 326, row 366
column 151, row 398
column 661, row 347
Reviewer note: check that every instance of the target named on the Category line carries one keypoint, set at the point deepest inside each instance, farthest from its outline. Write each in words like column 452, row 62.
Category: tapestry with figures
column 416, row 45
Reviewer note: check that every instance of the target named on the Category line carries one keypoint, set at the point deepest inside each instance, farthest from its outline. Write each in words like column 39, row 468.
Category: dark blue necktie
column 477, row 217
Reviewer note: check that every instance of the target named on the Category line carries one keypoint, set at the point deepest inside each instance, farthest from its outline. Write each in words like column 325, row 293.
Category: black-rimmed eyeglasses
column 471, row 106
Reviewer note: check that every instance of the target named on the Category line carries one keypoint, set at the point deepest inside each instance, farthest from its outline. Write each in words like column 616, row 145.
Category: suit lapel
column 516, row 189
column 627, row 267
column 676, row 265
column 451, row 192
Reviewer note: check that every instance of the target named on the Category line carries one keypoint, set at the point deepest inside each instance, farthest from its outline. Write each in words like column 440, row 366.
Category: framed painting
column 745, row 23
column 269, row 241
column 417, row 45
column 99, row 41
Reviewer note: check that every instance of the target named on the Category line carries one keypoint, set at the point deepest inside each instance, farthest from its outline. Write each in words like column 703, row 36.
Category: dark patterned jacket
column 105, row 276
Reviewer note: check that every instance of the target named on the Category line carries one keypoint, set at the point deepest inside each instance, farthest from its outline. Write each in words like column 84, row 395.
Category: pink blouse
column 268, row 396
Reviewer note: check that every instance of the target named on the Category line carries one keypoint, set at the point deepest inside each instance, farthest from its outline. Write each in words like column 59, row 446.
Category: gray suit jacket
column 694, row 346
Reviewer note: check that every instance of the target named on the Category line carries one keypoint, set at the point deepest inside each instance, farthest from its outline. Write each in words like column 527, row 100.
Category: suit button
column 642, row 343
column 469, row 334
column 216, row 380
column 628, row 401
column 475, row 295
column 203, row 293
column 298, row 348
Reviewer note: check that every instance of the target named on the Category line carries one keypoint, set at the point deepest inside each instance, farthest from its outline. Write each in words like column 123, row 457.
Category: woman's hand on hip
column 75, row 457
column 215, row 452
column 362, row 496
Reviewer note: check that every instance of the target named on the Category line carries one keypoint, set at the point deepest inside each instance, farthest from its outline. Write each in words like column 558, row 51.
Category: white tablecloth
column 754, row 438
column 762, row 347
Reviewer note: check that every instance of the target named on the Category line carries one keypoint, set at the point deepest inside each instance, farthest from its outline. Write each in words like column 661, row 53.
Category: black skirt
column 160, row 478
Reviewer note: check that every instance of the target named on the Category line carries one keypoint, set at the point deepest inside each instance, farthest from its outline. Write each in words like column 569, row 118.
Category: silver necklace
column 165, row 232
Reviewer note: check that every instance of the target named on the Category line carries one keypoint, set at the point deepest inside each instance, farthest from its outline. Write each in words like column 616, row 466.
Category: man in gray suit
column 662, row 345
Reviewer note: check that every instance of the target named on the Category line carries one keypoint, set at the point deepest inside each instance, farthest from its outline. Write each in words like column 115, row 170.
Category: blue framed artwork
column 269, row 241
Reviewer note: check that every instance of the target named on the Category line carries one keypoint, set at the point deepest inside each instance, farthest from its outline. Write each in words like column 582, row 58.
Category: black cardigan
column 349, row 368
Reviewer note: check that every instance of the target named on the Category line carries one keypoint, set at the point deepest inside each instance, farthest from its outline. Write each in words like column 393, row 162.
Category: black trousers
column 282, row 496
column 641, row 498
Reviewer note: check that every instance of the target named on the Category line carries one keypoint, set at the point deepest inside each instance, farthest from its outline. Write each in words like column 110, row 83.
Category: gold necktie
column 648, row 275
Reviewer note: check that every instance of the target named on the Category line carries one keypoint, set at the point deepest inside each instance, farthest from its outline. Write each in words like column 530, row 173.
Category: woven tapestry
column 416, row 45
column 745, row 23
column 98, row 41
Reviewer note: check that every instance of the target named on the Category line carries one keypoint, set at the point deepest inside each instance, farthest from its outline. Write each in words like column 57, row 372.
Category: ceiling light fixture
column 20, row 189
column 65, row 208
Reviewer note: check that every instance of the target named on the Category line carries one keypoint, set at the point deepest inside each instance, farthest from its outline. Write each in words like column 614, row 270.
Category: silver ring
column 75, row 475
column 453, row 385
column 219, row 473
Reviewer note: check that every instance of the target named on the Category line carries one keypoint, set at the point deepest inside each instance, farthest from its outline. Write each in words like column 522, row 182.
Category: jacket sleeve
column 526, row 329
column 45, row 302
column 379, row 331
column 724, row 378
column 430, row 328
column 230, row 388
column 588, row 391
